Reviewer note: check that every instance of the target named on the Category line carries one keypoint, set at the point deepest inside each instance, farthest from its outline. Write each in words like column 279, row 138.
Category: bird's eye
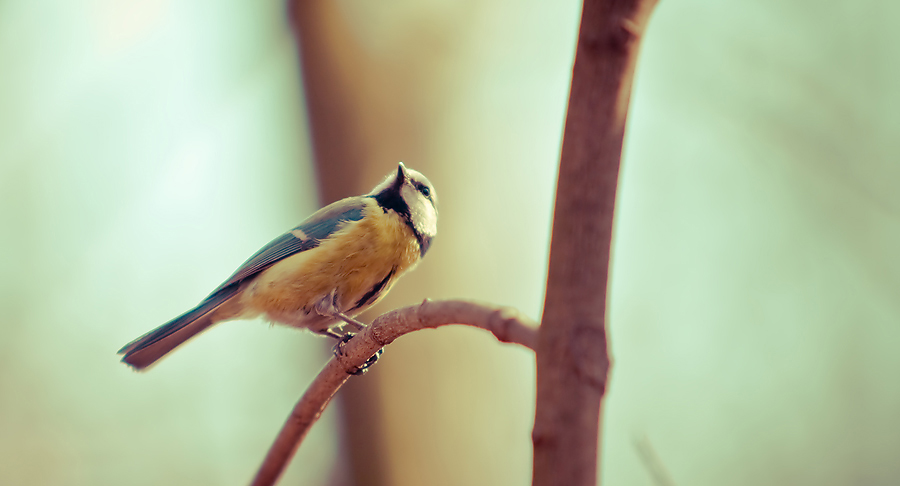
column 425, row 190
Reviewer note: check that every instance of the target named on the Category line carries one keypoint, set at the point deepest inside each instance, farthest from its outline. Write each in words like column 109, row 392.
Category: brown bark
column 572, row 356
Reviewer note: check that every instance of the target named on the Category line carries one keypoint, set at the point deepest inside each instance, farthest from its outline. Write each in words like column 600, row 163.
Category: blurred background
column 148, row 148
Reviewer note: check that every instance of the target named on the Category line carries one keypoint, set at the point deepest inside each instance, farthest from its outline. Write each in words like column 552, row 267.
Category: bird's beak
column 401, row 174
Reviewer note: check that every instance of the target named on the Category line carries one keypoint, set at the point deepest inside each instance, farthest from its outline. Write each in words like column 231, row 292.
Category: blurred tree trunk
column 357, row 123
column 572, row 355
column 342, row 151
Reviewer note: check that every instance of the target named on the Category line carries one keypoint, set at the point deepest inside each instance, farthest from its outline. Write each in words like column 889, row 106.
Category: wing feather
column 306, row 236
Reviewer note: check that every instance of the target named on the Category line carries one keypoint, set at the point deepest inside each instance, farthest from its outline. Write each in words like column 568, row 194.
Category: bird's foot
column 339, row 351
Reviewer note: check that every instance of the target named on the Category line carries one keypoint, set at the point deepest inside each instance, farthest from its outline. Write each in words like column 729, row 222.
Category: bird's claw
column 338, row 351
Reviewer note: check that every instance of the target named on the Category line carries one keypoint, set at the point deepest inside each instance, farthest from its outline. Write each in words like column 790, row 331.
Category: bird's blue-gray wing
column 304, row 237
column 145, row 350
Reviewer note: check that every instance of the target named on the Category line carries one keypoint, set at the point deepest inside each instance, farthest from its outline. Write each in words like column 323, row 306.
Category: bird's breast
column 357, row 264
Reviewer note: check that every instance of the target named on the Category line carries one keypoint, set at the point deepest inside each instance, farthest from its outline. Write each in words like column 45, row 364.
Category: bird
column 321, row 274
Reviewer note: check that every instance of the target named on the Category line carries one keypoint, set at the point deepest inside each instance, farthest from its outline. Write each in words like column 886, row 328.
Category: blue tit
column 336, row 264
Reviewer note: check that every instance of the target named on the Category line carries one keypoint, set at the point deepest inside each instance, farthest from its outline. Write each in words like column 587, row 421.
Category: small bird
column 336, row 264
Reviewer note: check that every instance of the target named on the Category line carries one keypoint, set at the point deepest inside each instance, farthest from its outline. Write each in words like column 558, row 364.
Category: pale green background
column 148, row 147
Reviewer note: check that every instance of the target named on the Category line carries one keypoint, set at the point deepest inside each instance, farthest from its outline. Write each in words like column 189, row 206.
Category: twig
column 507, row 324
column 572, row 358
column 652, row 461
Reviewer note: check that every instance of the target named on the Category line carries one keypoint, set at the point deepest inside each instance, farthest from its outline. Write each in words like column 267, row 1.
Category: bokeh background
column 147, row 148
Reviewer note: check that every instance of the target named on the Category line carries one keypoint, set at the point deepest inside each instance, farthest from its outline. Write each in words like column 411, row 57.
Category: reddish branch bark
column 508, row 325
column 572, row 358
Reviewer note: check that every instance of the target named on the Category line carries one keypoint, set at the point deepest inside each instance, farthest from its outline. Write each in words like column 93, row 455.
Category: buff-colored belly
column 348, row 265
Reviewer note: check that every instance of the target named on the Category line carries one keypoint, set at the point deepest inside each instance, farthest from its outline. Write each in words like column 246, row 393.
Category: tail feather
column 149, row 348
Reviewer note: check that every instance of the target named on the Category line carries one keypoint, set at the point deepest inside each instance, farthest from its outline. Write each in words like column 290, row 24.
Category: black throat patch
column 389, row 199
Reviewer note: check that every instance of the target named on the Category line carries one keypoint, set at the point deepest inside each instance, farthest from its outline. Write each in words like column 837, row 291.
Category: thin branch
column 507, row 324
column 572, row 358
column 652, row 461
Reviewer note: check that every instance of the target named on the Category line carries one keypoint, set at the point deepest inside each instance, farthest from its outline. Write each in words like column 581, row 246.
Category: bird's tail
column 149, row 348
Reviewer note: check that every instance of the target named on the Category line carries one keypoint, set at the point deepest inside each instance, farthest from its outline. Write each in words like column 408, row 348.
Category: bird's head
column 411, row 195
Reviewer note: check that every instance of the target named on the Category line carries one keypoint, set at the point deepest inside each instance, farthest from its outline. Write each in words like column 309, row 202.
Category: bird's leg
column 327, row 306
column 344, row 317
column 359, row 325
column 331, row 333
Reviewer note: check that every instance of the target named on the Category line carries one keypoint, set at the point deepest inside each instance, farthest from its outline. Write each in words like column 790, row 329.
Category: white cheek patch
column 421, row 210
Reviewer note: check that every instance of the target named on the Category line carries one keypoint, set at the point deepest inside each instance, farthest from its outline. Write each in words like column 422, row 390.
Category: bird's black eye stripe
column 424, row 190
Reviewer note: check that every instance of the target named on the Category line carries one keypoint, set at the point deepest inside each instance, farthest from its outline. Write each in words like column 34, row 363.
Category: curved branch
column 507, row 324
